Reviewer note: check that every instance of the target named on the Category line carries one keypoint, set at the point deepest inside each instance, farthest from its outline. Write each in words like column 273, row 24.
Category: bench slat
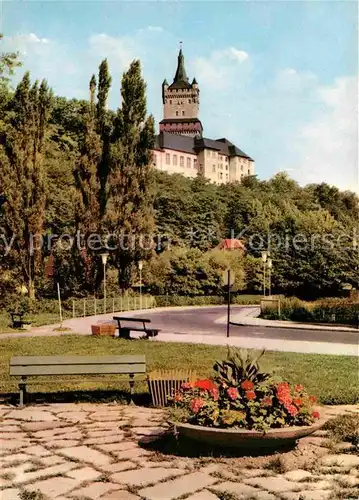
column 75, row 360
column 139, row 368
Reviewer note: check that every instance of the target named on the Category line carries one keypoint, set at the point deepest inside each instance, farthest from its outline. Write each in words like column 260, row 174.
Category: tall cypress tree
column 91, row 175
column 22, row 176
column 131, row 213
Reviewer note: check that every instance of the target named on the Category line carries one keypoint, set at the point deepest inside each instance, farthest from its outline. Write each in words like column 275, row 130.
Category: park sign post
column 228, row 280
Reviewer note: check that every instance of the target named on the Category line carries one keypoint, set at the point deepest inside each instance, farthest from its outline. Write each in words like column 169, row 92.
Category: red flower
column 266, row 401
column 312, row 399
column 283, row 393
column 186, row 386
column 178, row 397
column 299, row 388
column 214, row 393
column 250, row 395
column 196, row 404
column 233, row 393
column 315, row 414
column 247, row 385
column 298, row 402
column 292, row 410
column 205, row 385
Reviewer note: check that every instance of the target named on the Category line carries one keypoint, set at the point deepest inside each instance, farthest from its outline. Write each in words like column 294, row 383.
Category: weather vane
column 181, row 45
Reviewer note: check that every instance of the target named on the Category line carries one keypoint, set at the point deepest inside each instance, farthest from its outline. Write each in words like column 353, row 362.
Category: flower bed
column 240, row 396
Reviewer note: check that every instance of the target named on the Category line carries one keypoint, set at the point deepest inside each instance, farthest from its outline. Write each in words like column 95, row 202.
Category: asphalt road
column 212, row 321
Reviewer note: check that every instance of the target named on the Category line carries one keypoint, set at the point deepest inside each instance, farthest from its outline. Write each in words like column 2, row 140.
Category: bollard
column 84, row 307
column 95, row 308
column 73, row 309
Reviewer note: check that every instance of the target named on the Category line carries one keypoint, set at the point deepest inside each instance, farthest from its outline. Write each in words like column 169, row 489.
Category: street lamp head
column 104, row 257
column 140, row 265
column 270, row 263
column 264, row 256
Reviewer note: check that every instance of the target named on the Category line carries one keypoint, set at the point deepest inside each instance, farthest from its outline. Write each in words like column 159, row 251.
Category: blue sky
column 278, row 78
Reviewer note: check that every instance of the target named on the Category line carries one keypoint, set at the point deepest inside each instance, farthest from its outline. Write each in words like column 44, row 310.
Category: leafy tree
column 22, row 175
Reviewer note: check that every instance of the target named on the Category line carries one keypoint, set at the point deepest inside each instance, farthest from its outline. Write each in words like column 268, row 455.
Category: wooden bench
column 32, row 366
column 124, row 331
column 17, row 320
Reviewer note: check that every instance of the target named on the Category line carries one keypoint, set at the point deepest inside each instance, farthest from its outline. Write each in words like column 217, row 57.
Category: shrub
column 330, row 310
column 242, row 396
column 344, row 428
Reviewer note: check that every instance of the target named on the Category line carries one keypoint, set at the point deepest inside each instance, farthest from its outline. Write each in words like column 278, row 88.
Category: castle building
column 180, row 146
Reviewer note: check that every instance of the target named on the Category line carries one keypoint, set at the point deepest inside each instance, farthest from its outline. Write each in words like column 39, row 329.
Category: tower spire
column 180, row 75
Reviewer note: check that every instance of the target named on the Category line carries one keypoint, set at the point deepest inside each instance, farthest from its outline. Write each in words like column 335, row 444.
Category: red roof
column 231, row 244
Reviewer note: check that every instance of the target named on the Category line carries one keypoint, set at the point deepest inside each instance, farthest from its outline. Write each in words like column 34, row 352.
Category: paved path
column 208, row 325
column 112, row 452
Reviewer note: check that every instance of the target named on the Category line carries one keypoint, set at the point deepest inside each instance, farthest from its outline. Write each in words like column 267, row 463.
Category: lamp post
column 140, row 266
column 270, row 265
column 104, row 257
column 264, row 260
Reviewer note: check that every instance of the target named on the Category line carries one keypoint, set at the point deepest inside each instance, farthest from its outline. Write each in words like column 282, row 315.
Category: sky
column 277, row 78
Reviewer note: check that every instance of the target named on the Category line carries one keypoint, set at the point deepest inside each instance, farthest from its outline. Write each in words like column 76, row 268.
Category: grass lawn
column 39, row 319
column 334, row 379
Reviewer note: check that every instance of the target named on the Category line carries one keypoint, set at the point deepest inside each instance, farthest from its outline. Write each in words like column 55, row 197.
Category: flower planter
column 242, row 438
column 104, row 329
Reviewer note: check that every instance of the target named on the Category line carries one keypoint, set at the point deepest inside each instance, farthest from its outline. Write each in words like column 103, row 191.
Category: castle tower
column 181, row 104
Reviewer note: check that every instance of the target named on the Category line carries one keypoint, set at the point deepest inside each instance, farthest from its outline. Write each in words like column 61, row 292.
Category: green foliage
column 240, row 365
column 330, row 310
column 22, row 176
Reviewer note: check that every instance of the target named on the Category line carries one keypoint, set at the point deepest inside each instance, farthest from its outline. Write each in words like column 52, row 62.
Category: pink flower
column 299, row 388
column 186, row 386
column 266, row 401
column 196, row 404
column 233, row 393
column 214, row 393
column 292, row 410
column 312, row 399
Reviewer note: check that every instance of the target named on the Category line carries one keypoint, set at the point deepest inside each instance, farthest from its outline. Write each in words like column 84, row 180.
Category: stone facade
column 180, row 146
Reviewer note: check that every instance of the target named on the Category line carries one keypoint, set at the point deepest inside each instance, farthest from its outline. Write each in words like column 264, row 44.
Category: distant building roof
column 231, row 244
column 166, row 140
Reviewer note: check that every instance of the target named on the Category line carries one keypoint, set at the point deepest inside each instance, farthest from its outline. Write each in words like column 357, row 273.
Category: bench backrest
column 141, row 320
column 73, row 365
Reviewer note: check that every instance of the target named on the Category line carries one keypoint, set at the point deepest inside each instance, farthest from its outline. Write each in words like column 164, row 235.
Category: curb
column 300, row 326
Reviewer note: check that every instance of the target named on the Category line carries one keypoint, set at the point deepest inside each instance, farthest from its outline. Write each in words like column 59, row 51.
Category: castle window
column 182, row 113
column 168, row 159
column 188, row 162
column 220, row 175
column 195, row 163
column 176, row 113
column 226, row 177
column 170, row 101
column 249, row 171
column 241, row 168
column 189, row 100
column 181, row 161
column 226, row 167
column 174, row 159
column 214, row 168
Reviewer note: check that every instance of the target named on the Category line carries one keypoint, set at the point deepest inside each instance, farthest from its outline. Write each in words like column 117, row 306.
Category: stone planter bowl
column 242, row 438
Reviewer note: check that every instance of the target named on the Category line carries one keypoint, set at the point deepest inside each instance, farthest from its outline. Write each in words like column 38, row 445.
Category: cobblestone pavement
column 109, row 452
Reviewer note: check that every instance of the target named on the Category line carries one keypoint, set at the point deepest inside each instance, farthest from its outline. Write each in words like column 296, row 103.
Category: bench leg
column 22, row 388
column 132, row 388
